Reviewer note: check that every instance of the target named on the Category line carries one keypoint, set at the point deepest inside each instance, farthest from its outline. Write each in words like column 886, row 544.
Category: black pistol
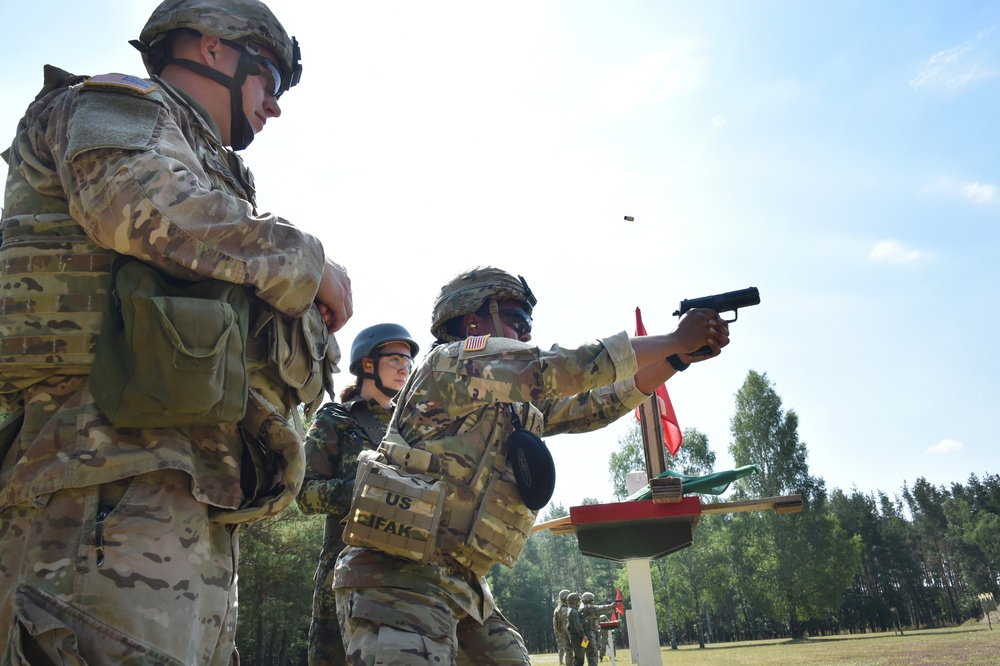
column 726, row 302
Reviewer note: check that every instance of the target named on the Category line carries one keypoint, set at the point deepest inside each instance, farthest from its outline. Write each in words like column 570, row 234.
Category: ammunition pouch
column 394, row 511
column 171, row 352
column 305, row 355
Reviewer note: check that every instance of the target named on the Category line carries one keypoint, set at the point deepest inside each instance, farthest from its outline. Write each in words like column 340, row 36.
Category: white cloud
column 979, row 193
column 719, row 121
column 893, row 252
column 946, row 446
column 974, row 192
column 954, row 68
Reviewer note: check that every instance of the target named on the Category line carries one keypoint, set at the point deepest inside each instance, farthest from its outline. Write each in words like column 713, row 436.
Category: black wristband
column 677, row 363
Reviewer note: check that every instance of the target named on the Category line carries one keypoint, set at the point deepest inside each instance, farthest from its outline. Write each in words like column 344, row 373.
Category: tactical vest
column 479, row 518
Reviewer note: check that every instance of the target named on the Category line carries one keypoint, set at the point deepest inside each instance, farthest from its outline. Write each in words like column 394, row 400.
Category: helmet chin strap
column 383, row 389
column 240, row 130
column 495, row 313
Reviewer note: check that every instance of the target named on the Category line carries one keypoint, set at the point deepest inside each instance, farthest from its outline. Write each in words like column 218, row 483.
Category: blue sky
column 839, row 157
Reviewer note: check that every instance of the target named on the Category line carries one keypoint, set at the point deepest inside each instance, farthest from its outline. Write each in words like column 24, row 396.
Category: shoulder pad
column 120, row 121
column 487, row 345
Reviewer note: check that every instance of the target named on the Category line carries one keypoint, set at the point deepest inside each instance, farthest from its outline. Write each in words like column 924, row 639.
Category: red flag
column 672, row 436
column 619, row 606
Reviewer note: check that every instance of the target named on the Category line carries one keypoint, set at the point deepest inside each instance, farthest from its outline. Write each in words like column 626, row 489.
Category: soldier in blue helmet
column 381, row 359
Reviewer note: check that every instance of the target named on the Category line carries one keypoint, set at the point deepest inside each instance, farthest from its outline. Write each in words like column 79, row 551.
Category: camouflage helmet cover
column 229, row 19
column 468, row 290
column 573, row 598
column 563, row 594
column 587, row 597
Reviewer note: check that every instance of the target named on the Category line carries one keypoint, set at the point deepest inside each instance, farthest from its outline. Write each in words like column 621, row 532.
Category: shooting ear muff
column 532, row 464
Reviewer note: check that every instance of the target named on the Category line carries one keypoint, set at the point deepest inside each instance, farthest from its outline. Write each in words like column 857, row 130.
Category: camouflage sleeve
column 591, row 410
column 511, row 371
column 325, row 488
column 143, row 191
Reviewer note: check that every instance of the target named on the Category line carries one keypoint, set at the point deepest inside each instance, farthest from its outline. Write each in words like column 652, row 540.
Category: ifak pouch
column 171, row 352
column 394, row 511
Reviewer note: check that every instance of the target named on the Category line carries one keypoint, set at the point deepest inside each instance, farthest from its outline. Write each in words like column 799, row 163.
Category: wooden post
column 652, row 437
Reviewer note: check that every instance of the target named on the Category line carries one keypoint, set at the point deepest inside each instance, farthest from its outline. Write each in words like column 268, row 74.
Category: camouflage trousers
column 561, row 642
column 160, row 590
column 326, row 645
column 396, row 627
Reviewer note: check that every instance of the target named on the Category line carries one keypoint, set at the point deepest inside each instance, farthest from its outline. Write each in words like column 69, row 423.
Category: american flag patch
column 124, row 81
column 476, row 343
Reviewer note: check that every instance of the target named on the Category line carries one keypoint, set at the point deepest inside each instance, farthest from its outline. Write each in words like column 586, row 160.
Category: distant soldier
column 592, row 619
column 560, row 617
column 576, row 627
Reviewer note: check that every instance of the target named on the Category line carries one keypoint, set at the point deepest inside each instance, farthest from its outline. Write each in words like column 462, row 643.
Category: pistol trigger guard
column 736, row 314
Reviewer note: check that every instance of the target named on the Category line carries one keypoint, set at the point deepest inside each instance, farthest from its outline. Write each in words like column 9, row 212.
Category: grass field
column 968, row 644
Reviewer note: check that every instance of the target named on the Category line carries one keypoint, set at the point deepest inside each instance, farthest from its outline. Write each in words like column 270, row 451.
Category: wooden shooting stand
column 639, row 532
column 648, row 529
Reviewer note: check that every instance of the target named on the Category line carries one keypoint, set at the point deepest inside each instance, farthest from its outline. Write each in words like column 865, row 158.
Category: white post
column 643, row 616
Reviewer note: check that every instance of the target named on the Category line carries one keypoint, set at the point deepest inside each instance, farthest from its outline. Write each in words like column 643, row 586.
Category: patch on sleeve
column 476, row 343
column 109, row 116
column 121, row 82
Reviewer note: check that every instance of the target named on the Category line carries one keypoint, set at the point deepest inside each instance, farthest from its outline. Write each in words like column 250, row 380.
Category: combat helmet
column 467, row 291
column 573, row 598
column 371, row 338
column 232, row 21
column 563, row 594
column 587, row 598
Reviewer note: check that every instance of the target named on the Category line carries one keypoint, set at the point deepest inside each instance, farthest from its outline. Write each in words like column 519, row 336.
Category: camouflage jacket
column 592, row 617
column 576, row 626
column 332, row 447
column 560, row 618
column 454, row 406
column 116, row 164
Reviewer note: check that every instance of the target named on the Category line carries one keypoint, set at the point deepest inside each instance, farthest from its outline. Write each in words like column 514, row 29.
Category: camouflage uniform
column 453, row 412
column 592, row 621
column 559, row 619
column 576, row 626
column 120, row 544
column 332, row 447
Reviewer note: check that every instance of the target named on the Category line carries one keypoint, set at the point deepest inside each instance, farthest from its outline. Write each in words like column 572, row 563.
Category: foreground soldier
column 441, row 505
column 123, row 480
column 381, row 359
column 559, row 618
